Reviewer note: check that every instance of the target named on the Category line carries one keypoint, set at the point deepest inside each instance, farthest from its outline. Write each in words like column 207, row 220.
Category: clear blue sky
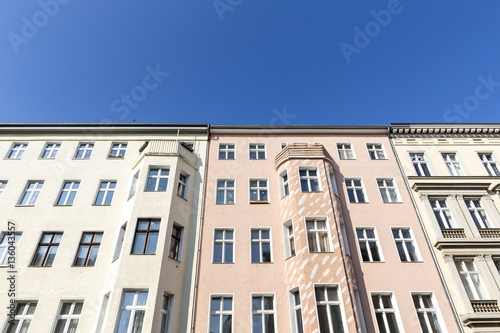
column 250, row 61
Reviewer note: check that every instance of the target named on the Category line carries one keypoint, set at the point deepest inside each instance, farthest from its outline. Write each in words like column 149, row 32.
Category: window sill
column 265, row 263
column 24, row 206
column 395, row 202
column 174, row 259
column 143, row 254
column 15, row 159
column 373, row 262
column 223, row 263
column 225, row 204
column 366, row 202
column 79, row 159
column 56, row 205
column 180, row 196
column 116, row 157
column 94, row 205
column 259, row 202
column 312, row 191
column 46, row 158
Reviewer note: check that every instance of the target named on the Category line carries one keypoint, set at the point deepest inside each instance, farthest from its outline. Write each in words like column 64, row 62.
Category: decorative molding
column 459, row 197
column 424, row 196
column 452, row 197
column 483, row 257
column 448, row 257
column 487, row 197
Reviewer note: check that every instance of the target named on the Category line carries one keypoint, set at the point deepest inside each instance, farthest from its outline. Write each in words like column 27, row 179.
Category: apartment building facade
column 453, row 175
column 100, row 226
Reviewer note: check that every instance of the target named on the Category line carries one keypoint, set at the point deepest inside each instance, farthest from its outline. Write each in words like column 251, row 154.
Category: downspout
column 457, row 318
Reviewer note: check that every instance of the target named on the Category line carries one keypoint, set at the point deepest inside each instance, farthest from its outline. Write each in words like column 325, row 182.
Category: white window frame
column 183, row 185
column 226, row 150
column 68, row 192
column 133, row 184
column 333, row 182
column 367, row 241
column 24, row 316
column 355, row 188
column 474, row 211
column 5, row 243
column 52, row 148
column 226, row 189
column 221, row 312
column 166, row 313
column 455, row 168
column 388, row 189
column 180, row 244
column 33, row 194
column 106, row 191
column 317, row 231
column 343, row 149
column 17, row 150
column 289, row 239
column 120, row 146
column 68, row 317
column 293, row 294
column 263, row 312
column 132, row 308
column 157, row 178
column 85, row 148
column 284, row 184
column 345, row 242
column 260, row 241
column 258, row 188
column 375, row 149
column 478, row 292
column 330, row 303
column 3, row 185
column 119, row 242
column 309, row 178
column 411, row 240
column 490, row 165
column 447, row 219
column 394, row 309
column 434, row 310
column 257, row 149
column 224, row 241
column 418, row 164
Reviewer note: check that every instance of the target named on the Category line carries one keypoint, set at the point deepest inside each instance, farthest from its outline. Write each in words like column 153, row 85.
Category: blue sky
column 264, row 62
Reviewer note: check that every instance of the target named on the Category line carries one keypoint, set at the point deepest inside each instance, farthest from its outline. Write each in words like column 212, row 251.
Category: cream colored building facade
column 453, row 175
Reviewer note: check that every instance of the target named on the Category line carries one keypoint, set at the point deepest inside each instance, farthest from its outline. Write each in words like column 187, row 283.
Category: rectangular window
column 146, row 236
column 7, row 240
column 166, row 312
column 105, row 193
column 24, row 312
column 133, row 184
column 489, row 163
column 471, row 279
column 3, row 184
column 226, row 151
column 88, row 249
column 17, row 151
column 223, row 246
column 69, row 315
column 355, row 190
column 388, row 190
column 477, row 213
column 31, row 193
column 51, row 150
column 427, row 312
column 183, row 186
column 257, row 151
column 132, row 311
column 258, row 190
column 368, row 244
column 263, row 314
column 157, row 179
column 284, row 187
column 289, row 239
column 68, row 193
column 118, row 150
column 84, row 150
column 296, row 309
column 317, row 235
column 261, row 245
column 328, row 305
column 225, row 191
column 176, row 242
column 442, row 213
column 221, row 314
column 405, row 244
column 385, row 312
column 309, row 181
column 345, row 151
column 119, row 242
column 453, row 165
column 376, row 151
column 420, row 165
column 47, row 249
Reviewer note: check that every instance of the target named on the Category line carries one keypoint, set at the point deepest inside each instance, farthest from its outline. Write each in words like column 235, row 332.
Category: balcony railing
column 170, row 148
column 490, row 233
column 485, row 306
column 300, row 150
column 453, row 233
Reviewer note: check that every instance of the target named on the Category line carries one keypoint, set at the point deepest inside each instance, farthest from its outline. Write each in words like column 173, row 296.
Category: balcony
column 301, row 151
column 489, row 233
column 485, row 306
column 453, row 233
column 170, row 148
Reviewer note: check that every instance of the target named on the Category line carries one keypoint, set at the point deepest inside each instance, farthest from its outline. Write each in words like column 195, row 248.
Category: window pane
column 152, row 240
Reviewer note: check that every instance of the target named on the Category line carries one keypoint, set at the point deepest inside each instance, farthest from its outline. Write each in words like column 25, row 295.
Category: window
column 478, row 214
column 88, row 249
column 385, row 312
column 453, row 165
column 284, row 188
column 7, row 240
column 51, row 150
column 388, row 190
column 442, row 213
column 345, row 151
column 355, row 190
column 263, row 314
column 225, row 192
column 119, row 242
column 226, row 151
column 420, row 165
column 132, row 311
column 146, row 236
column 258, row 190
column 47, row 249
column 376, row 151
column 165, row 312
column 490, row 164
column 157, row 179
column 24, row 312
column 221, row 314
column 405, row 244
column 118, row 150
column 183, row 186
column 223, row 246
column 368, row 244
column 133, row 184
column 84, row 150
column 283, row 145
column 345, row 242
column 261, row 245
column 257, row 151
column 176, row 242
column 69, row 315
column 105, row 193
column 427, row 312
column 68, row 193
column 329, row 309
column 309, row 179
column 31, row 193
column 297, row 326
column 318, row 235
column 289, row 239
column 17, row 151
column 3, row 184
column 471, row 279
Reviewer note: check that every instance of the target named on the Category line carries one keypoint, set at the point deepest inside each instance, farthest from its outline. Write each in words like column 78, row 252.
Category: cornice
column 444, row 130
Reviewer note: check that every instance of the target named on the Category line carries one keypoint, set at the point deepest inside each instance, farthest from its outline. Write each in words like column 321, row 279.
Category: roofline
column 444, row 128
column 298, row 129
